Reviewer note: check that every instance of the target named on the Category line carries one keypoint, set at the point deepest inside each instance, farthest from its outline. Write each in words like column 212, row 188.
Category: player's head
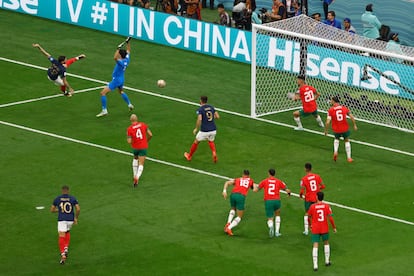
column 335, row 99
column 203, row 99
column 62, row 59
column 246, row 172
column 272, row 172
column 301, row 80
column 133, row 118
column 122, row 53
column 369, row 7
column 65, row 189
column 308, row 167
column 320, row 195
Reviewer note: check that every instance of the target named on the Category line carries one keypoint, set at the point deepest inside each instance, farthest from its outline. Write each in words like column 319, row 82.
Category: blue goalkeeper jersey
column 66, row 207
column 120, row 67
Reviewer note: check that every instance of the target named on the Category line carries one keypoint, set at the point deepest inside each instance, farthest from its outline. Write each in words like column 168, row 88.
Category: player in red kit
column 308, row 95
column 337, row 115
column 271, row 187
column 319, row 213
column 237, row 199
column 138, row 136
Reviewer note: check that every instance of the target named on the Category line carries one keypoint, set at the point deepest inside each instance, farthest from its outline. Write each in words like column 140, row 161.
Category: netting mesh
column 375, row 79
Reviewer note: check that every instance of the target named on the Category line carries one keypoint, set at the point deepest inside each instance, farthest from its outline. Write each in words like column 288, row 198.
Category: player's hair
column 368, row 7
column 246, row 172
column 65, row 188
column 123, row 53
column 320, row 195
column 61, row 59
column 335, row 99
column 301, row 77
column 272, row 172
column 204, row 99
column 308, row 166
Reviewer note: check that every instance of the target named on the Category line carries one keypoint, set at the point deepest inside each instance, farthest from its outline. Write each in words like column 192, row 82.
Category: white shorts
column 64, row 226
column 203, row 136
column 57, row 81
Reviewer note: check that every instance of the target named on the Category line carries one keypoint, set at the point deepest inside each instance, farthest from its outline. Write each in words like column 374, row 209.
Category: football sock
column 315, row 257
column 232, row 213
column 193, row 148
column 63, row 88
column 103, row 101
column 277, row 220
column 212, row 146
column 298, row 122
column 62, row 241
column 306, row 223
column 125, row 98
column 140, row 170
column 70, row 61
column 336, row 145
column 135, row 167
column 270, row 223
column 67, row 239
column 327, row 251
column 319, row 120
column 235, row 222
column 348, row 149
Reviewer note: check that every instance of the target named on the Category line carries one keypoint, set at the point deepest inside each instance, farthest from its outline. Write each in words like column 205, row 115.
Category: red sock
column 62, row 244
column 193, row 148
column 67, row 239
column 212, row 146
column 70, row 61
column 63, row 88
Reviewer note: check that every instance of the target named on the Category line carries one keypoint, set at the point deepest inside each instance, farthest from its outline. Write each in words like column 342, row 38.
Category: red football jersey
column 242, row 185
column 312, row 183
column 138, row 133
column 319, row 213
column 308, row 96
column 338, row 118
column 272, row 187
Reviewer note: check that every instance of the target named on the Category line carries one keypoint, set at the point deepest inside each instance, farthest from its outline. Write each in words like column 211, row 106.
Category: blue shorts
column 116, row 83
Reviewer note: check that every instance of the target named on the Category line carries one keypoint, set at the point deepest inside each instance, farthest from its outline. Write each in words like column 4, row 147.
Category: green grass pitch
column 173, row 223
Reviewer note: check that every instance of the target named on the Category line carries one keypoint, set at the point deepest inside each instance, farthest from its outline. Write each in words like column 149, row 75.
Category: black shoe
column 62, row 260
column 135, row 185
column 315, row 269
column 328, row 264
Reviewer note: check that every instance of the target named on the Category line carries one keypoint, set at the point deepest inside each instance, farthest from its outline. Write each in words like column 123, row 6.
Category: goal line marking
column 219, row 109
column 187, row 168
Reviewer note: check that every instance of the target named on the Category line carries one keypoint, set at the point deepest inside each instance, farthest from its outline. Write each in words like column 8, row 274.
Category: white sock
column 298, row 122
column 336, row 146
column 306, row 223
column 140, row 169
column 348, row 149
column 315, row 257
column 135, row 167
column 232, row 213
column 319, row 120
column 327, row 251
column 270, row 223
column 277, row 220
column 234, row 222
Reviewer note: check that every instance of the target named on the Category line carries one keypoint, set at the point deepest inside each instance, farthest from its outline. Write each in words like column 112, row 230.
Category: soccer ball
column 161, row 83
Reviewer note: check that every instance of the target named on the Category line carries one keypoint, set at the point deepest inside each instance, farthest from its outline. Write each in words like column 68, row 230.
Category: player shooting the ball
column 57, row 71
column 121, row 58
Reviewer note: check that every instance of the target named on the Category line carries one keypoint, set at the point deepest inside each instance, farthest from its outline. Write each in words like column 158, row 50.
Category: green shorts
column 271, row 206
column 343, row 134
column 237, row 201
column 308, row 205
column 306, row 114
column 139, row 152
column 317, row 237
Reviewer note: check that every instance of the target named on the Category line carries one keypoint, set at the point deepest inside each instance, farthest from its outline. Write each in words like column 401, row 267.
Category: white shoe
column 131, row 107
column 298, row 128
column 305, row 233
column 278, row 234
column 104, row 112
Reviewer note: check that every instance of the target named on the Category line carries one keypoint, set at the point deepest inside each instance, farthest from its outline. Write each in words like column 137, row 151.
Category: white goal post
column 375, row 79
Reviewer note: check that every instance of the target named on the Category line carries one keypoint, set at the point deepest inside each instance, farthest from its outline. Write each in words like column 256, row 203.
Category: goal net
column 375, row 79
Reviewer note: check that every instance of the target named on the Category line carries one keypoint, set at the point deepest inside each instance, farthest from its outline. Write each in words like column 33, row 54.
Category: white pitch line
column 187, row 168
column 49, row 97
column 219, row 109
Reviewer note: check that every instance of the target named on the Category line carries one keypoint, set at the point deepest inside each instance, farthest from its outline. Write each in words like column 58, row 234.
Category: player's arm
column 302, row 191
column 226, row 184
column 116, row 55
column 288, row 191
column 198, row 124
column 54, row 209
column 129, row 140
column 128, row 46
column 36, row 45
column 327, row 123
column 216, row 115
column 255, row 187
column 353, row 120
column 77, row 213
column 331, row 220
column 149, row 135
column 317, row 95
